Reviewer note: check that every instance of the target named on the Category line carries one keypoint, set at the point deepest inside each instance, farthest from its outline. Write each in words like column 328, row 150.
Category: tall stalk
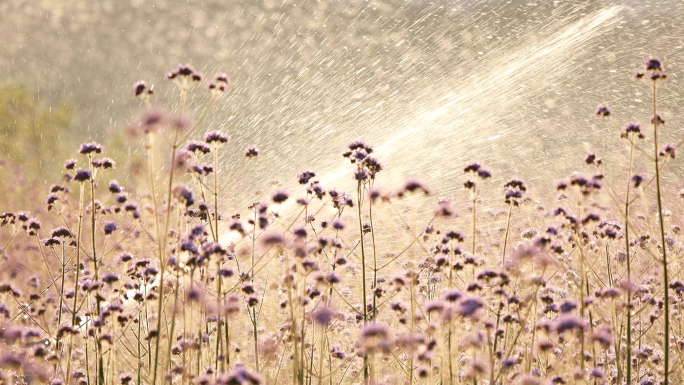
column 162, row 251
column 252, row 311
column 375, row 259
column 629, row 270
column 100, row 359
column 583, row 277
column 666, row 337
column 78, row 271
column 363, row 278
column 219, row 277
column 61, row 295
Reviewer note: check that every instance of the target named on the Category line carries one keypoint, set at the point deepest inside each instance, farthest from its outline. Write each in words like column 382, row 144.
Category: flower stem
column 666, row 336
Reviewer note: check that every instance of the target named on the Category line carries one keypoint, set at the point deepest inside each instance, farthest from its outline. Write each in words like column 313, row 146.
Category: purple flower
column 197, row 147
column 185, row 71
column 632, row 127
column 82, row 175
column 114, row 187
column 568, row 322
column 49, row 242
column 454, row 235
column 305, row 176
column 189, row 246
column 61, row 232
column 149, row 123
column 669, row 151
column 592, row 158
column 473, row 167
column 251, row 152
column 241, row 376
column 212, row 248
column 359, row 145
column 484, row 173
column 110, row 277
column 602, row 111
column 637, row 180
column 216, row 137
column 414, row 185
column 69, row 164
column 90, row 148
column 32, row 226
column 653, row 64
column 139, row 88
column 338, row 224
column 110, row 227
column 272, row 239
column 470, row 307
column 323, row 315
column 280, row 196
column 51, row 200
column 105, row 163
column 299, row 232
column 184, row 195
column 657, row 119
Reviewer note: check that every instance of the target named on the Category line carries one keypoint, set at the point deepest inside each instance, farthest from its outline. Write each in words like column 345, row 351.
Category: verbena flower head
column 61, row 232
column 50, row 200
column 105, row 163
column 139, row 89
column 470, row 307
column 602, row 111
column 109, row 227
column 569, row 322
column 82, row 175
column 69, row 164
column 114, row 187
column 412, row 185
column 280, row 196
column 240, row 375
column 220, row 83
column 592, row 159
column 185, row 71
column 653, row 70
column 323, row 315
column 374, row 338
column 305, row 176
column 90, row 148
column 669, row 151
column 653, row 64
column 216, row 137
column 197, row 147
column 637, row 180
column 150, row 122
column 251, row 152
column 472, row 168
column 609, row 230
column 632, row 129
column 184, row 195
column 514, row 190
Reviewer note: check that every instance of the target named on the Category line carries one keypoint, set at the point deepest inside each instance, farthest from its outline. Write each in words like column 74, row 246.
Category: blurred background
column 432, row 84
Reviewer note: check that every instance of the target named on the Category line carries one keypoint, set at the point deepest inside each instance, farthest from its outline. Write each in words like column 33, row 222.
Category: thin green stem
column 363, row 279
column 78, row 271
column 666, row 336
